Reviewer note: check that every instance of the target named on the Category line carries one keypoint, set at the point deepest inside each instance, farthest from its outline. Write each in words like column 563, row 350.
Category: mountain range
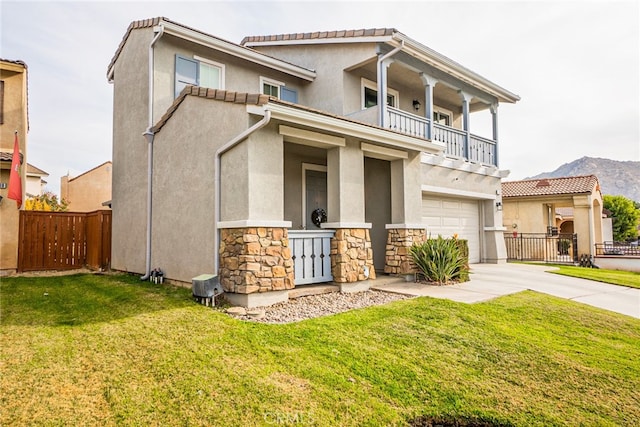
column 617, row 178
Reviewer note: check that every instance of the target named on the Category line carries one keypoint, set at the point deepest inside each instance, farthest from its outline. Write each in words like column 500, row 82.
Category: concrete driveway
column 490, row 281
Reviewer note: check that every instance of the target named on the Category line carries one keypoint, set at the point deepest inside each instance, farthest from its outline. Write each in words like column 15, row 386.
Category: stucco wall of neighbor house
column 129, row 183
column 184, row 182
column 88, row 192
column 530, row 216
column 14, row 119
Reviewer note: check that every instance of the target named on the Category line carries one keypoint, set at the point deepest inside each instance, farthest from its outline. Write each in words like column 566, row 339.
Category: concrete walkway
column 490, row 281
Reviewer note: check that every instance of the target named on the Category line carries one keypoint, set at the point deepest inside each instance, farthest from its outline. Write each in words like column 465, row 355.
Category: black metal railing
column 550, row 248
column 618, row 248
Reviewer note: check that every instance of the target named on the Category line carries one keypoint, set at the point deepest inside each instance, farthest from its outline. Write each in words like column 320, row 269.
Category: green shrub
column 442, row 260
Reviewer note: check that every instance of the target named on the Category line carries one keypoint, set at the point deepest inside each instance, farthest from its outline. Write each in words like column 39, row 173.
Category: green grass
column 109, row 350
column 615, row 277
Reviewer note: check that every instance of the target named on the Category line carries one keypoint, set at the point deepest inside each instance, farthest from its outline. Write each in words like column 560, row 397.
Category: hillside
column 616, row 177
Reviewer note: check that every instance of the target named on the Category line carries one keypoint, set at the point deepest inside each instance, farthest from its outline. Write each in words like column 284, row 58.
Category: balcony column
column 494, row 122
column 466, row 99
column 382, row 92
column 429, row 82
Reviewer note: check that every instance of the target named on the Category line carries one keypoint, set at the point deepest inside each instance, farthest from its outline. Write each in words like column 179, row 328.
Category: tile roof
column 550, row 186
column 370, row 32
column 7, row 156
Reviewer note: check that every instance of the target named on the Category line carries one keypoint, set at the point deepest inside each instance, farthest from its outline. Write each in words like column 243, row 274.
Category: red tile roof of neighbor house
column 550, row 186
column 370, row 32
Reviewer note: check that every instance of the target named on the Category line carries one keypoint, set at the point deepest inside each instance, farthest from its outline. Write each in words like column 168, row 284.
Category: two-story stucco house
column 294, row 159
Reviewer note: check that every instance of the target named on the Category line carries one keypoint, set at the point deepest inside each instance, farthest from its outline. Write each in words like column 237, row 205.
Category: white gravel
column 308, row 307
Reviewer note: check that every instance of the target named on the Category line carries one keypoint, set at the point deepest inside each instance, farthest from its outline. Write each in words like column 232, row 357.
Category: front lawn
column 109, row 350
column 615, row 277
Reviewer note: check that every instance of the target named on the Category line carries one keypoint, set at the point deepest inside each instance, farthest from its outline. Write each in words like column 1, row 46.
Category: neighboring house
column 35, row 181
column 89, row 191
column 13, row 117
column 275, row 163
column 556, row 205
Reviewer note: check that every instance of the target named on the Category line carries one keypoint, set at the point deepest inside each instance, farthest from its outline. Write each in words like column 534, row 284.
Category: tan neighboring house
column 13, row 117
column 89, row 191
column 296, row 158
column 555, row 206
column 35, row 181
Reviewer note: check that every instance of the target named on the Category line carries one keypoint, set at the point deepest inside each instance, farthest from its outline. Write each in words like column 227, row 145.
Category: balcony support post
column 384, row 60
column 429, row 82
column 494, row 121
column 466, row 98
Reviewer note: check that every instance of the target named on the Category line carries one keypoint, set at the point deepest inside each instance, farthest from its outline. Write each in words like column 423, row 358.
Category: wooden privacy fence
column 64, row 240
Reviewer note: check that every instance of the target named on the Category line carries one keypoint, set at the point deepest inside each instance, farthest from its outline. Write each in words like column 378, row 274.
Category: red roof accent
column 550, row 186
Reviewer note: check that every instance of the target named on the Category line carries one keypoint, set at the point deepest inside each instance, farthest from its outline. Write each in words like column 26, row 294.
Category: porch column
column 429, row 82
column 406, row 206
column 494, row 122
column 256, row 267
column 583, row 224
column 351, row 253
column 466, row 98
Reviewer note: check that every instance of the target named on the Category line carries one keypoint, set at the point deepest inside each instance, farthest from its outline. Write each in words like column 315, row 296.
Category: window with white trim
column 441, row 118
column 278, row 90
column 370, row 95
column 199, row 72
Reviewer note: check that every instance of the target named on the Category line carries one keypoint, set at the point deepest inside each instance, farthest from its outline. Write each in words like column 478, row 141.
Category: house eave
column 347, row 127
column 449, row 66
column 238, row 51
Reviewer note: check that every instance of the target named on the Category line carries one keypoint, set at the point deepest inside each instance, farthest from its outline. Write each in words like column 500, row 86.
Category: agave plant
column 440, row 260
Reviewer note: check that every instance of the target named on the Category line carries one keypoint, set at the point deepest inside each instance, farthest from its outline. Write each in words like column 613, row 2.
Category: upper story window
column 370, row 95
column 199, row 72
column 442, row 118
column 278, row 90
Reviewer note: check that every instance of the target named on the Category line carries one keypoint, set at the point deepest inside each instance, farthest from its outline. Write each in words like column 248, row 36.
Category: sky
column 574, row 64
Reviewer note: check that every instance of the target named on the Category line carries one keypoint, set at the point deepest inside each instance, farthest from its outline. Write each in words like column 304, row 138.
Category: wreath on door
column 318, row 216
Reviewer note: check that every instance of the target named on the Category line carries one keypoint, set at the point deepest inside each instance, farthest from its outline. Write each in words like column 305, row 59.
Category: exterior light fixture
column 416, row 104
column 499, row 206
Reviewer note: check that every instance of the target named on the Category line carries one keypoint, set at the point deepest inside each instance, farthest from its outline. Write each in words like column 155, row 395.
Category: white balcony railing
column 477, row 149
column 311, row 255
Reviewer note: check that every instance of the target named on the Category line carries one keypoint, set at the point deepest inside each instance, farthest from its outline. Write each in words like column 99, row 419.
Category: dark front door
column 377, row 194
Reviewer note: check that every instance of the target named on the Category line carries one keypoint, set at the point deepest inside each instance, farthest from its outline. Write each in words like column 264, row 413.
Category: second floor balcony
column 459, row 143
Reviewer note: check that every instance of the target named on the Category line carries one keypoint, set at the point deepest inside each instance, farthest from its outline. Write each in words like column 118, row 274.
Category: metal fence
column 618, row 248
column 558, row 248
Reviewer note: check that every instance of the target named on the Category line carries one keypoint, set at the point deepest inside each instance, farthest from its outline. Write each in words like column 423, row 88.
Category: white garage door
column 448, row 216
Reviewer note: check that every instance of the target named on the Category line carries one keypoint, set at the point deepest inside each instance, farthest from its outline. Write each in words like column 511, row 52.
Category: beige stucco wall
column 88, row 192
column 15, row 118
column 183, row 185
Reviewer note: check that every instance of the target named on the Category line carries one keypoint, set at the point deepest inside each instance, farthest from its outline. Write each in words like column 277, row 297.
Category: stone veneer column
column 255, row 259
column 351, row 255
column 399, row 241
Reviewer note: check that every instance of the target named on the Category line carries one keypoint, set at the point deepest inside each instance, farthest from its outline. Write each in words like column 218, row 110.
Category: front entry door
column 316, row 198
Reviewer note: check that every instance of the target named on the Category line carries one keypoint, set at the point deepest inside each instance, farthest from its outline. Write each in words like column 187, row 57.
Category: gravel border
column 312, row 306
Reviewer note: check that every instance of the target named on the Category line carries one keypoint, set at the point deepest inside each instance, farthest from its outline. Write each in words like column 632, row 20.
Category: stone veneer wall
column 398, row 258
column 350, row 253
column 255, row 260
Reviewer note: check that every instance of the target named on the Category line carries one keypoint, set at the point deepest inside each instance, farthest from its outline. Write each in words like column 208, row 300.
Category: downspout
column 217, row 187
column 382, row 83
column 149, row 135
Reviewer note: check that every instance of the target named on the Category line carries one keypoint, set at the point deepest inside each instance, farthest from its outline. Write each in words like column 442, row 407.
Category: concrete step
column 307, row 290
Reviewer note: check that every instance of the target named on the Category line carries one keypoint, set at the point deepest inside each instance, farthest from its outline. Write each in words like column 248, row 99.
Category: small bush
column 442, row 260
